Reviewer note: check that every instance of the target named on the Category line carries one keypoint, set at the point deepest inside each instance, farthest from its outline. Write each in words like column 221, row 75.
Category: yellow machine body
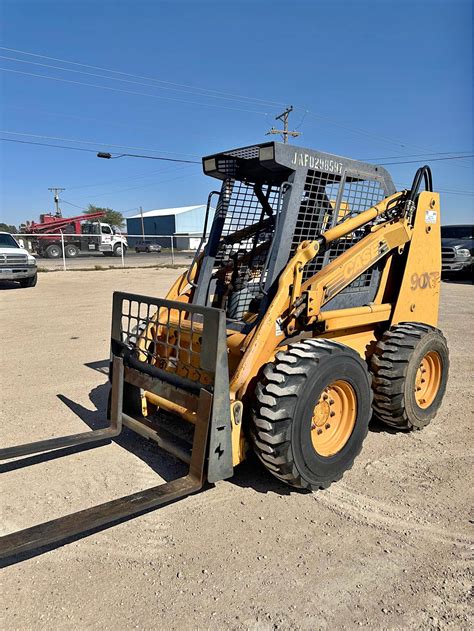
column 413, row 296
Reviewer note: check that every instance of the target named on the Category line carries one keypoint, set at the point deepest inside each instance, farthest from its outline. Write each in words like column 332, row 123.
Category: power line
column 45, row 144
column 115, row 153
column 446, row 191
column 428, row 160
column 92, row 142
column 114, row 123
column 64, row 201
column 415, row 155
column 127, row 74
column 148, row 85
column 152, row 96
column 128, row 177
column 386, row 139
column 106, row 155
column 237, row 97
column 159, row 182
column 42, row 144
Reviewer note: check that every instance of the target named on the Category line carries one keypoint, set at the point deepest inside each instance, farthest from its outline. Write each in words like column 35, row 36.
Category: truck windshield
column 457, row 232
column 7, row 241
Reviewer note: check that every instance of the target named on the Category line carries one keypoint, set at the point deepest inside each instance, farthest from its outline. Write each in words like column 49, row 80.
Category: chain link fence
column 64, row 251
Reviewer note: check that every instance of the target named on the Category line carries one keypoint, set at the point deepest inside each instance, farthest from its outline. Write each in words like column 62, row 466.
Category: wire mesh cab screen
column 274, row 196
column 328, row 200
column 247, row 233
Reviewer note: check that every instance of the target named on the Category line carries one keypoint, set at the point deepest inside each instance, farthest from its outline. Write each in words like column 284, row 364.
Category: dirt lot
column 387, row 547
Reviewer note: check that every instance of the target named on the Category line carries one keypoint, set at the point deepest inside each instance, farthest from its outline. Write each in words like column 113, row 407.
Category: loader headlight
column 266, row 153
column 210, row 165
column 464, row 252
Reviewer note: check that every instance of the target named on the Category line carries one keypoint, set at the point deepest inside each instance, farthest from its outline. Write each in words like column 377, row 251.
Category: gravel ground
column 387, row 547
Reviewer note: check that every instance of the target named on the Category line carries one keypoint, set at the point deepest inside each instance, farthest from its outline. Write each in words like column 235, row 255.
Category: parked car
column 147, row 246
column 457, row 248
column 16, row 263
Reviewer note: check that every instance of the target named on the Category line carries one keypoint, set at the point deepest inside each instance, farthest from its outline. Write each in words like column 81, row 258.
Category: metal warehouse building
column 185, row 224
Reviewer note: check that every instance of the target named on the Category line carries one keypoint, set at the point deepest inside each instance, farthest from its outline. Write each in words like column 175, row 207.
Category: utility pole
column 284, row 132
column 56, row 192
column 143, row 225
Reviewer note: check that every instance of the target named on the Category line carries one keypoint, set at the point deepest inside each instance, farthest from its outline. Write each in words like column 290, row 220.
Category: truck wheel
column 71, row 251
column 410, row 368
column 118, row 250
column 53, row 251
column 311, row 413
column 29, row 282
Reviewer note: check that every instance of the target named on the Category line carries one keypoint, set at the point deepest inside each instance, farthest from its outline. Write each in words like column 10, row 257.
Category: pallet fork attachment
column 211, row 432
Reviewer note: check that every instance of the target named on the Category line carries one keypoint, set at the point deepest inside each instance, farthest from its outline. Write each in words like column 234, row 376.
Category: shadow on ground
column 461, row 278
column 8, row 284
column 250, row 474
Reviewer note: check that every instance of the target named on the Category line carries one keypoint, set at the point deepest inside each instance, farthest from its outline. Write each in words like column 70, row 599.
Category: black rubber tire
column 53, row 251
column 29, row 282
column 137, row 250
column 71, row 251
column 132, row 395
column 117, row 251
column 394, row 365
column 284, row 401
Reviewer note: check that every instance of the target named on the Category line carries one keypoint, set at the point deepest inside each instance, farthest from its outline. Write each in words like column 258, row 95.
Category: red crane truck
column 83, row 233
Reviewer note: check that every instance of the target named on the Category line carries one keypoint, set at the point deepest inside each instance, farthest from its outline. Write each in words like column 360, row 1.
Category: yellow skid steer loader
column 311, row 307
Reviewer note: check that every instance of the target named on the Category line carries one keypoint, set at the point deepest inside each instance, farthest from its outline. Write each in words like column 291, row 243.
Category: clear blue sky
column 400, row 70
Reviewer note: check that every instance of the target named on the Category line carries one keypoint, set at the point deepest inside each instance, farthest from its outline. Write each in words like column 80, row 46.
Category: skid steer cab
column 311, row 306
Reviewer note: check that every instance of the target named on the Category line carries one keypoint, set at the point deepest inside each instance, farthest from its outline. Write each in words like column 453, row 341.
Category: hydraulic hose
column 423, row 172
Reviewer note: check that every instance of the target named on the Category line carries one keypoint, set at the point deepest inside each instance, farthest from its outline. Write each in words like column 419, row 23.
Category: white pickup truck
column 16, row 263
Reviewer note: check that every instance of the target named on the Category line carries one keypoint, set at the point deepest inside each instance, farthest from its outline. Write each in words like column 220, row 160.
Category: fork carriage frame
column 209, row 458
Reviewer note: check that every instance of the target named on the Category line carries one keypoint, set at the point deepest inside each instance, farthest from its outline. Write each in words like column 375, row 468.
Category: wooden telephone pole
column 284, row 132
column 56, row 192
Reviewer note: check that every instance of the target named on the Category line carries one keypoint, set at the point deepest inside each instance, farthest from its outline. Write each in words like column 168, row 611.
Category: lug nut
column 320, row 431
column 332, row 413
column 327, row 426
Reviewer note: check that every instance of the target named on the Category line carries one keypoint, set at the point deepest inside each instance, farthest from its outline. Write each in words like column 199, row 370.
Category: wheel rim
column 428, row 379
column 334, row 417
